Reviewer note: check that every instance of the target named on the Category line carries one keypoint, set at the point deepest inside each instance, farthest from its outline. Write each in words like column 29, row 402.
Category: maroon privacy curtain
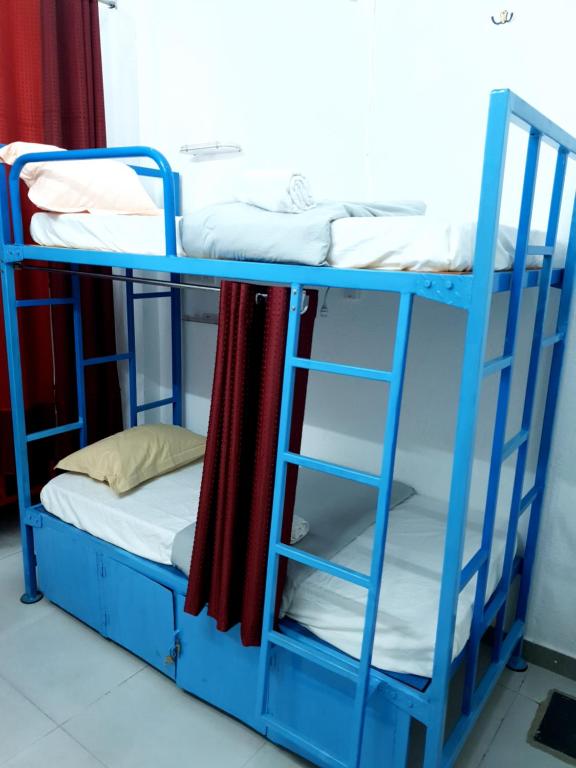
column 228, row 569
column 51, row 92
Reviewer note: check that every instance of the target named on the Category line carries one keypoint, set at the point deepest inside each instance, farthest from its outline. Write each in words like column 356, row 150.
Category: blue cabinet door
column 67, row 558
column 140, row 615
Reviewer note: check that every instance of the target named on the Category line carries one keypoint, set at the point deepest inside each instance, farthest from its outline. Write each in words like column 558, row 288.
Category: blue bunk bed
column 298, row 690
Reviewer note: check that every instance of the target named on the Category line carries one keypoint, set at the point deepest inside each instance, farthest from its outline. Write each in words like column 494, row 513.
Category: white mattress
column 143, row 521
column 418, row 243
column 407, row 616
column 103, row 232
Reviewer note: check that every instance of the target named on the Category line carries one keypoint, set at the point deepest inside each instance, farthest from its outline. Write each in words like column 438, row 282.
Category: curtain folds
column 51, row 92
column 228, row 569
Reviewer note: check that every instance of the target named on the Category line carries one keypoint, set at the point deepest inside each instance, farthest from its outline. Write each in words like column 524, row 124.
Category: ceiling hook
column 504, row 18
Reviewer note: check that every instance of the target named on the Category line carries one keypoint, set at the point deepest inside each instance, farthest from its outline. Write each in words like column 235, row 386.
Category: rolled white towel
column 274, row 190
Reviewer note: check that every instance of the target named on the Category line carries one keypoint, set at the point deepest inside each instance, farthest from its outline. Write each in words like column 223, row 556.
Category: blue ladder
column 175, row 400
column 22, row 437
column 358, row 671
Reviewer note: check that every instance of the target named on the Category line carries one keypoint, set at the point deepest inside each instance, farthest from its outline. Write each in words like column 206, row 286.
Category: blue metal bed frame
column 373, row 728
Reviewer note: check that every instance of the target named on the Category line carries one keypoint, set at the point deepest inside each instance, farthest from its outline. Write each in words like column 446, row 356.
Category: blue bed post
column 472, row 370
column 31, row 592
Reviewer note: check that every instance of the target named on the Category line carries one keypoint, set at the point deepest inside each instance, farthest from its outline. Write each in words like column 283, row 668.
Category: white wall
column 373, row 97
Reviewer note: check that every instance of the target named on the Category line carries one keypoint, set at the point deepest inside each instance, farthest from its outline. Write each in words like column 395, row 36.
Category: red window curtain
column 51, row 92
column 228, row 569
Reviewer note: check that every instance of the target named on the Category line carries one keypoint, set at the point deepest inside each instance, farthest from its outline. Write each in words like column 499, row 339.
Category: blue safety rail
column 423, row 701
column 12, row 232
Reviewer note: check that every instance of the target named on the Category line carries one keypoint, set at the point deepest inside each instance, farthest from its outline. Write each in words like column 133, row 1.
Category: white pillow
column 73, row 186
column 300, row 528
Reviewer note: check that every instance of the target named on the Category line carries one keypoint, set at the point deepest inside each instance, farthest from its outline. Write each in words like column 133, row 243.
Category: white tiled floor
column 70, row 699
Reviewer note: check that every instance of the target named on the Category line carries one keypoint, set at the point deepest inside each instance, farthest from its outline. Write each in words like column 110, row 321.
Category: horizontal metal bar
column 105, row 359
column 332, row 469
column 318, row 563
column 342, row 370
column 155, row 404
column 43, row 302
column 549, row 341
column 514, row 443
column 497, row 364
column 312, row 751
column 529, row 498
column 264, row 273
column 124, row 279
column 540, row 250
column 313, row 651
column 472, row 567
column 153, row 294
column 54, row 431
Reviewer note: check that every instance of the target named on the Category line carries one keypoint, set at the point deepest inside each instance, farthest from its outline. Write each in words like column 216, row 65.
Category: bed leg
column 31, row 599
column 32, row 593
column 517, row 662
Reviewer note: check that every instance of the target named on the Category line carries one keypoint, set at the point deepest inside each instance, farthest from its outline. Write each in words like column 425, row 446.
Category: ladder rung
column 54, row 431
column 472, row 567
column 497, row 364
column 332, row 469
column 306, row 746
column 540, row 250
column 549, row 341
column 340, row 571
column 342, row 370
column 43, row 302
column 152, row 295
column 106, row 359
column 311, row 650
column 514, row 443
column 529, row 499
column 155, row 404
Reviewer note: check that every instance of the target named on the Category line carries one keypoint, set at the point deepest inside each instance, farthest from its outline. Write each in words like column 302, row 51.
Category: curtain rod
column 124, row 279
column 109, row 3
column 149, row 281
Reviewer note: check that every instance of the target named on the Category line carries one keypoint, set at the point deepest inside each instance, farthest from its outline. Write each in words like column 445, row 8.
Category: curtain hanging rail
column 109, row 3
column 124, row 279
column 151, row 281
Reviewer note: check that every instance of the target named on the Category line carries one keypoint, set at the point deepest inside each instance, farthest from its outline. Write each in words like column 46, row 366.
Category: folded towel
column 274, row 190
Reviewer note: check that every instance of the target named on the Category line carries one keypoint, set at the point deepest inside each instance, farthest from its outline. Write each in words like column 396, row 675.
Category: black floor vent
column 554, row 727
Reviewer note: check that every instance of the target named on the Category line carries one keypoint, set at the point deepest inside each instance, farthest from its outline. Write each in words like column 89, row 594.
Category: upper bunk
column 454, row 288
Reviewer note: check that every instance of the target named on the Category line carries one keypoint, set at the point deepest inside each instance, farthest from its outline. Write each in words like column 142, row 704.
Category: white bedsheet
column 419, row 243
column 143, row 521
column 334, row 609
column 103, row 232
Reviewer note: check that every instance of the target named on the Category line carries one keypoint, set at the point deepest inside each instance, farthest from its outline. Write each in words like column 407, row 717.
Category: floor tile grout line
column 500, row 724
column 90, row 704
column 260, row 748
column 83, row 746
column 29, row 700
column 30, row 744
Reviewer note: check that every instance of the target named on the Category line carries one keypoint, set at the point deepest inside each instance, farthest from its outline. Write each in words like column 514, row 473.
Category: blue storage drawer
column 318, row 704
column 216, row 667
column 95, row 582
column 139, row 615
column 67, row 558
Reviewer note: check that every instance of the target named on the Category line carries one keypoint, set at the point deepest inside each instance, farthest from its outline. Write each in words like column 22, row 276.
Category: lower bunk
column 139, row 604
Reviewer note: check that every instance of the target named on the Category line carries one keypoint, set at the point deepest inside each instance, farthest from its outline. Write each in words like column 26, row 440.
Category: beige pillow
column 131, row 457
column 73, row 186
